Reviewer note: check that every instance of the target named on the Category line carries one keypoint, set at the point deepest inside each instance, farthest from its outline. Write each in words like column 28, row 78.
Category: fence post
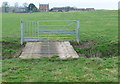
column 77, row 31
column 22, row 32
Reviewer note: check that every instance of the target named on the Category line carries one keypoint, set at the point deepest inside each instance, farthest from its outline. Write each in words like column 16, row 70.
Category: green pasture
column 97, row 26
column 56, row 70
column 100, row 27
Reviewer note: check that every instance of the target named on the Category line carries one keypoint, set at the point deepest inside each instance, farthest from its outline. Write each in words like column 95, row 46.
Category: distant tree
column 25, row 5
column 119, row 5
column 51, row 10
column 5, row 7
column 16, row 5
column 32, row 8
column 13, row 10
column 60, row 10
column 67, row 8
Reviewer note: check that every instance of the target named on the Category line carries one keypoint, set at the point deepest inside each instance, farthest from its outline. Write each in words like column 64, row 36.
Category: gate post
column 22, row 31
column 77, row 31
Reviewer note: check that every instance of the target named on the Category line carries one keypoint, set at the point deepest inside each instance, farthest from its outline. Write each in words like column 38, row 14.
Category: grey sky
column 98, row 4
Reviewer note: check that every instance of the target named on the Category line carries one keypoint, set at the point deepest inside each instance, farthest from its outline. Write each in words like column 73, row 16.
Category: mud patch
column 92, row 49
column 83, row 45
column 11, row 49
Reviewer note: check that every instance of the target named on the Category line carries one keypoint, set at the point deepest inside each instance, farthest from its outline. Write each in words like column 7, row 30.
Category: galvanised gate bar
column 50, row 31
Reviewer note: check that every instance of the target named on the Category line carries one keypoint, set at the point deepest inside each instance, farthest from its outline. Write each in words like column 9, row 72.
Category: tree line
column 28, row 7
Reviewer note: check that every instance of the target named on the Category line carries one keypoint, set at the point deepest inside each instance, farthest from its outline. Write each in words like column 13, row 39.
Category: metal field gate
column 50, row 31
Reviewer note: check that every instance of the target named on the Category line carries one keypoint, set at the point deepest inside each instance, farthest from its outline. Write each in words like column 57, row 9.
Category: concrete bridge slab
column 47, row 49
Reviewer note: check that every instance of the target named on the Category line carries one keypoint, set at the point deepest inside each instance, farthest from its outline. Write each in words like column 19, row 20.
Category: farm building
column 90, row 9
column 77, row 9
column 66, row 9
column 43, row 7
column 63, row 9
column 59, row 9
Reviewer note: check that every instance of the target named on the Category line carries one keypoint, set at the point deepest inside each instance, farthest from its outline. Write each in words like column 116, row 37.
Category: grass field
column 55, row 70
column 100, row 27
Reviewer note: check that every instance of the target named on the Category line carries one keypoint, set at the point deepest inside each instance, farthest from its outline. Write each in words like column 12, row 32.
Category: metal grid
column 50, row 31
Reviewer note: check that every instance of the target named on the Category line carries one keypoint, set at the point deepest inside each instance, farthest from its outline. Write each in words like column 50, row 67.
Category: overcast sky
column 97, row 4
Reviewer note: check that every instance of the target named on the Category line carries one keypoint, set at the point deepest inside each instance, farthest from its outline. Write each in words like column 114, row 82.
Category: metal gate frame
column 23, row 38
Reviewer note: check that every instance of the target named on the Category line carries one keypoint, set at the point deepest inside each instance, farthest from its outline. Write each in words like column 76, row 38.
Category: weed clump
column 108, row 49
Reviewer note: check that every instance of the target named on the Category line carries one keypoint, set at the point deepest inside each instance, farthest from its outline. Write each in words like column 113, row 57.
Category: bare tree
column 16, row 5
column 5, row 4
column 119, row 5
column 25, row 5
column 5, row 7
